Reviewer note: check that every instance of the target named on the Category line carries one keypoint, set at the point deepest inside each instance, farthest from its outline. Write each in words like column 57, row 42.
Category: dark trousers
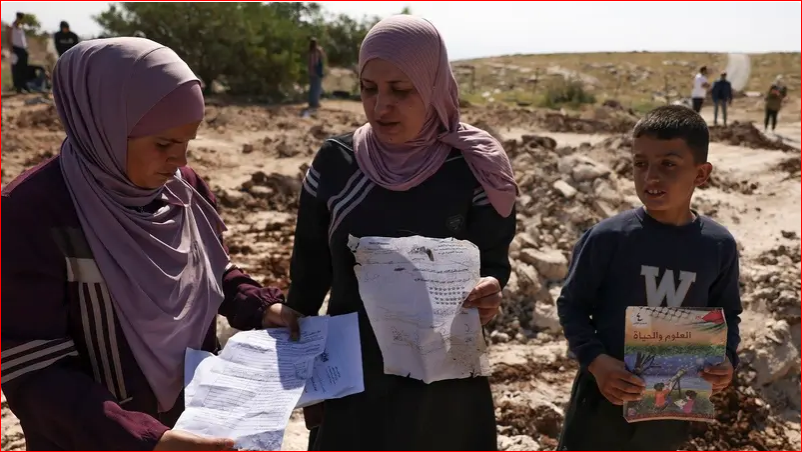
column 312, row 438
column 315, row 91
column 405, row 414
column 771, row 116
column 19, row 70
column 697, row 104
column 723, row 105
column 593, row 423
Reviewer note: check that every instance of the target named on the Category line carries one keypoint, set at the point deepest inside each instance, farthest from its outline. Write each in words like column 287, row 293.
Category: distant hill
column 633, row 77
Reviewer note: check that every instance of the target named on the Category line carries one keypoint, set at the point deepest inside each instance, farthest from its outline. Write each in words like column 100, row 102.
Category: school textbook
column 668, row 348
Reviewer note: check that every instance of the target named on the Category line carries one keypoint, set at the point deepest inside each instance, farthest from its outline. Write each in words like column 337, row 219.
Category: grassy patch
column 561, row 92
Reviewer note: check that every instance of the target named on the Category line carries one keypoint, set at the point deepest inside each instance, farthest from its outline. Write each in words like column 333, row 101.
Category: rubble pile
column 261, row 218
column 528, row 418
column 44, row 118
column 792, row 166
column 772, row 284
column 747, row 135
column 599, row 120
column 563, row 193
column 603, row 119
column 744, row 423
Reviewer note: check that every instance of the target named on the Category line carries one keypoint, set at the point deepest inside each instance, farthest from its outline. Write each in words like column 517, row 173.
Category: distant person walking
column 19, row 45
column 774, row 101
column 315, row 65
column 699, row 92
column 721, row 92
column 64, row 39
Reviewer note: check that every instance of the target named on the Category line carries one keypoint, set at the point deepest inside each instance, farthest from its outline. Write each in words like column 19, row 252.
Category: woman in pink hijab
column 114, row 263
column 413, row 169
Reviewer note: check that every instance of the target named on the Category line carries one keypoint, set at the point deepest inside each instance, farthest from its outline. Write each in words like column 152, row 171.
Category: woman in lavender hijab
column 114, row 262
column 413, row 169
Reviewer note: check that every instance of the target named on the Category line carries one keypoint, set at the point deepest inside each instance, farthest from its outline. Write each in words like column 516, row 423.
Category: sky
column 480, row 29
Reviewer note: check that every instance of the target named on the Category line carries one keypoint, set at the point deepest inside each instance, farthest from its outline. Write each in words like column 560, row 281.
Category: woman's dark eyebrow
column 389, row 81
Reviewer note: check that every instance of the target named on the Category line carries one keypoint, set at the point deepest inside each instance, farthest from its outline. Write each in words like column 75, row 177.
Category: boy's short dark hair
column 676, row 121
column 659, row 386
column 691, row 394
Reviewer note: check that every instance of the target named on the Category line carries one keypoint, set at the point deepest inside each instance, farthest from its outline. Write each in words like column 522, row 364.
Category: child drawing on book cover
column 668, row 348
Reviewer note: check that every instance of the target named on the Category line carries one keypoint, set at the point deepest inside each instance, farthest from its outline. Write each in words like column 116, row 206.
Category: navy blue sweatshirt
column 631, row 259
column 721, row 91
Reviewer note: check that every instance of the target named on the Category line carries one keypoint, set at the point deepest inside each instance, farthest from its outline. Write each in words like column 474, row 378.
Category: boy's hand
column 615, row 382
column 720, row 375
column 487, row 297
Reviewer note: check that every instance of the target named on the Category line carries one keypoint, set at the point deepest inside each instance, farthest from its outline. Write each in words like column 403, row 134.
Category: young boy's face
column 666, row 174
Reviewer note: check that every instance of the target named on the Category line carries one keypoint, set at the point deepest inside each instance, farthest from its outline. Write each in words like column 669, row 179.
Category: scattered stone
column 517, row 442
column 550, row 263
column 564, row 188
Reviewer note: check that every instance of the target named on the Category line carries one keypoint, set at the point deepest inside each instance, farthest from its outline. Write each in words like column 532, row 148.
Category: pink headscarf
column 414, row 45
column 163, row 270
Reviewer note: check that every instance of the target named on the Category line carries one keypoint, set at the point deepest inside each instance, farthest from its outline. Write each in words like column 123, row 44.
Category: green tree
column 254, row 48
column 342, row 37
column 30, row 23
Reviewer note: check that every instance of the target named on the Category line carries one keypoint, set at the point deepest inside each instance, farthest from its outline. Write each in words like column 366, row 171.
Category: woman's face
column 393, row 106
column 152, row 160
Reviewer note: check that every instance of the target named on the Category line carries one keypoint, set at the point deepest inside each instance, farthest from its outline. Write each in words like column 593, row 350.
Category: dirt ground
column 254, row 158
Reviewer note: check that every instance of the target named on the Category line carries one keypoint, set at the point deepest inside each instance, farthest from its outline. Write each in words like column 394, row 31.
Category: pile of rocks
column 792, row 166
column 745, row 422
column 746, row 134
column 261, row 217
column 42, row 118
column 772, row 284
column 564, row 192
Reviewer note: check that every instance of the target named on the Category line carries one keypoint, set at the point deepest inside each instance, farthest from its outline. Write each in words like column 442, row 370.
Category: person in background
column 19, row 45
column 721, row 92
column 413, row 169
column 114, row 260
column 315, row 60
column 38, row 80
column 645, row 257
column 699, row 92
column 64, row 39
column 774, row 101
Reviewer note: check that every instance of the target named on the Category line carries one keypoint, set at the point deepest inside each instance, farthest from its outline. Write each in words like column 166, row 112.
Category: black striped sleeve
column 29, row 356
column 310, row 267
column 493, row 234
column 480, row 197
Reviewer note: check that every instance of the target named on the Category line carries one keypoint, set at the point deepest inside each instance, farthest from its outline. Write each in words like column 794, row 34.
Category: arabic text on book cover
column 668, row 348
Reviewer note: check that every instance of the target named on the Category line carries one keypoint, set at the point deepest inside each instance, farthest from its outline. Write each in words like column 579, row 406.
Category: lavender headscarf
column 163, row 270
column 415, row 46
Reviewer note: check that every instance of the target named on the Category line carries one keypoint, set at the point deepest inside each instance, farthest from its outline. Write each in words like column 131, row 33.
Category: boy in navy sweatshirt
column 662, row 254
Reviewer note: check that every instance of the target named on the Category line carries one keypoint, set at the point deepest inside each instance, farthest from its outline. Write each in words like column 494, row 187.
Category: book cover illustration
column 668, row 348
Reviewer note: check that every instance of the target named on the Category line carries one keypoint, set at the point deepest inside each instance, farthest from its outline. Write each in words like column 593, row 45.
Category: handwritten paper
column 337, row 371
column 413, row 289
column 248, row 392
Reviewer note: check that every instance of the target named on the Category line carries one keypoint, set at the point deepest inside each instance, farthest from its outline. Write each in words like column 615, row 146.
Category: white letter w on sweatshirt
column 674, row 296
